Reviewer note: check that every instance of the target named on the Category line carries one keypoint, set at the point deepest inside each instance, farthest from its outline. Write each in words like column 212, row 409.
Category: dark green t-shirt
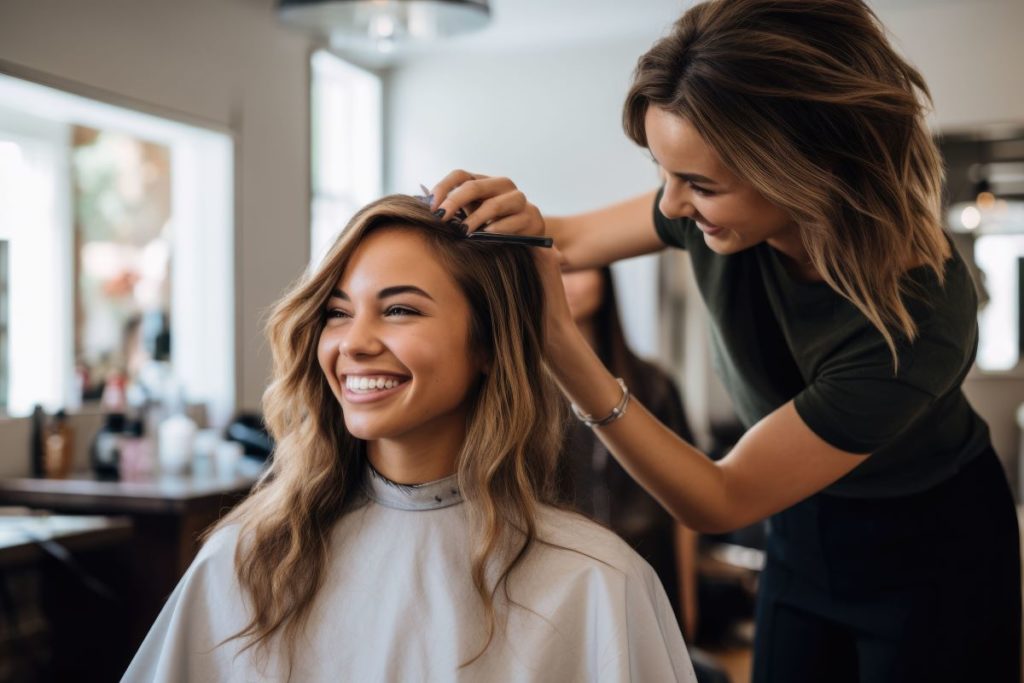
column 777, row 338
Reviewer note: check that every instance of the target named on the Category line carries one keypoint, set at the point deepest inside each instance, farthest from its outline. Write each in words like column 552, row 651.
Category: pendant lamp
column 382, row 24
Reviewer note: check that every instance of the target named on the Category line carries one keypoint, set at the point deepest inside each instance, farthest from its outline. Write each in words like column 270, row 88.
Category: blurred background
column 167, row 169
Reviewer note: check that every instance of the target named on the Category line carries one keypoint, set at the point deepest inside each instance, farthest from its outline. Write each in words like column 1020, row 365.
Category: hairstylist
column 803, row 183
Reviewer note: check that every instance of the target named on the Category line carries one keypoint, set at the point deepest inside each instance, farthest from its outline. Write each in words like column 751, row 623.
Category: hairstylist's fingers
column 469, row 194
column 449, row 183
column 494, row 209
column 522, row 223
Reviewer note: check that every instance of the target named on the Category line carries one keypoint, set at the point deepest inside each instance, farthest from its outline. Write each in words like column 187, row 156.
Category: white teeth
column 368, row 384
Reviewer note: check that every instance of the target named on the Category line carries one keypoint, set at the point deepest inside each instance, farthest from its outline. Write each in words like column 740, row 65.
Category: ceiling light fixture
column 382, row 24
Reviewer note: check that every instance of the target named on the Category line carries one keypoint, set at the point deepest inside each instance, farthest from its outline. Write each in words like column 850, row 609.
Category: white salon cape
column 398, row 605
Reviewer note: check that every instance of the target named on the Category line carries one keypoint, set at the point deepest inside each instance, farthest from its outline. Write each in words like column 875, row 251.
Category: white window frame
column 202, row 264
column 346, row 146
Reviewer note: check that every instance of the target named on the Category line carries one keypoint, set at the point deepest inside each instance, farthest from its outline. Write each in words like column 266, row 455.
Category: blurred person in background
column 595, row 483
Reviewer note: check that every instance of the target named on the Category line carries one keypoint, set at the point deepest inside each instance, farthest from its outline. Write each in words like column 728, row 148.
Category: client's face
column 395, row 346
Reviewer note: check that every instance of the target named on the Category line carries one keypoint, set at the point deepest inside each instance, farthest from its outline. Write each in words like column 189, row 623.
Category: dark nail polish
column 439, row 213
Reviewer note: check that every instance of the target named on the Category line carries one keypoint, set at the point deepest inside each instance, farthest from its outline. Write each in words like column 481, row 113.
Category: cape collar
column 432, row 495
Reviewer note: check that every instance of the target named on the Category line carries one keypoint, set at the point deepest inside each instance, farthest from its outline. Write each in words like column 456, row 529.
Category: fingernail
column 439, row 213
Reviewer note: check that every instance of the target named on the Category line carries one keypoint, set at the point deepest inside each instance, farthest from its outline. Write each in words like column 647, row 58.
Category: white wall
column 226, row 62
column 547, row 119
column 970, row 53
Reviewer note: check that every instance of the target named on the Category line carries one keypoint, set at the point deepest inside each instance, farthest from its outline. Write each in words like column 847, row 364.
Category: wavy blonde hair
column 808, row 101
column 506, row 465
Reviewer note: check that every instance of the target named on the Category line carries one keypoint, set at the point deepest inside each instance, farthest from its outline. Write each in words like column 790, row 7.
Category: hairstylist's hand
column 494, row 203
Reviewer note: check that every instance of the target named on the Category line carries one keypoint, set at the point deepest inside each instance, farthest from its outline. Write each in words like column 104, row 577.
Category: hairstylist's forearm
column 597, row 238
column 682, row 478
column 777, row 463
column 576, row 247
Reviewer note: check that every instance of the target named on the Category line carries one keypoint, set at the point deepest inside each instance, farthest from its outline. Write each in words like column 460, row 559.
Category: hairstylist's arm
column 586, row 240
column 776, row 464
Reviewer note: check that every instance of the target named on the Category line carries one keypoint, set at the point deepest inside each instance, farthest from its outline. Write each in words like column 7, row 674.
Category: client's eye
column 335, row 313
column 400, row 311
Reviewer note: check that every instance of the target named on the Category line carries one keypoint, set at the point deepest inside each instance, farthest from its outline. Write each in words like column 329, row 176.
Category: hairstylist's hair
column 508, row 458
column 808, row 101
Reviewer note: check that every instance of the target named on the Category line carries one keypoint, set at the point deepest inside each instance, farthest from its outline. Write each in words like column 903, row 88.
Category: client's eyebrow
column 386, row 292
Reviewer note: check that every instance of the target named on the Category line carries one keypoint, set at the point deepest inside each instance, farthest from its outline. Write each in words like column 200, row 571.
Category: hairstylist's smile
column 366, row 387
column 706, row 227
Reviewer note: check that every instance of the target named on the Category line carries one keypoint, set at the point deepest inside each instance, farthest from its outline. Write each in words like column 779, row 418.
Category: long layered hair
column 808, row 102
column 506, row 466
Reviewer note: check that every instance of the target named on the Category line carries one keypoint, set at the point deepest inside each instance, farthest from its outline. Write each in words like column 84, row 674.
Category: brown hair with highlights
column 506, row 466
column 807, row 101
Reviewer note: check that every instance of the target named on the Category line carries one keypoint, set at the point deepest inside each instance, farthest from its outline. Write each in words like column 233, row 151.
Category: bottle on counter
column 105, row 453
column 137, row 461
column 114, row 398
column 204, row 449
column 59, row 447
column 176, row 437
column 37, row 443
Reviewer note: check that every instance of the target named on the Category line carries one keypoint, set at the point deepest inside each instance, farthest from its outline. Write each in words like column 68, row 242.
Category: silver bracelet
column 617, row 412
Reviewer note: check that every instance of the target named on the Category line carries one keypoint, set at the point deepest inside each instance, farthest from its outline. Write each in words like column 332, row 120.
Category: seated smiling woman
column 403, row 531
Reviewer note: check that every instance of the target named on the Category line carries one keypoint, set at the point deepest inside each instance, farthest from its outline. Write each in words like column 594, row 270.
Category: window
column 999, row 258
column 985, row 212
column 84, row 241
column 346, row 146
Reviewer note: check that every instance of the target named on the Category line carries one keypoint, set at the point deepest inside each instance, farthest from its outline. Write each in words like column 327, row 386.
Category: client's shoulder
column 218, row 551
column 584, row 544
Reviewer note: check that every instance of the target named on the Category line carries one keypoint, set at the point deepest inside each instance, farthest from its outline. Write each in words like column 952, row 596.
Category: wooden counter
column 21, row 535
column 167, row 515
column 163, row 494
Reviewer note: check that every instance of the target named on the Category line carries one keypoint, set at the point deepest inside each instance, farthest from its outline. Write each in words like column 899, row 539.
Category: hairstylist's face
column 729, row 211
column 395, row 346
column 584, row 290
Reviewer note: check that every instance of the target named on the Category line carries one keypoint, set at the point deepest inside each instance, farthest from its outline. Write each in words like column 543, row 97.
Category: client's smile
column 373, row 384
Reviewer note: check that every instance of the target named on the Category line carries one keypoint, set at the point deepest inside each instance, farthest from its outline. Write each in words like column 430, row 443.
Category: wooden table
column 167, row 513
column 64, row 615
column 180, row 507
column 21, row 535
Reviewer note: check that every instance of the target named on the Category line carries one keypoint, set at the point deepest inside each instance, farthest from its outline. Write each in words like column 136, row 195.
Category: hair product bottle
column 36, row 442
column 59, row 447
column 105, row 453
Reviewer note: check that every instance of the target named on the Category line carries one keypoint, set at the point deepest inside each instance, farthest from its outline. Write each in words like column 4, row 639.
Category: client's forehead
column 396, row 255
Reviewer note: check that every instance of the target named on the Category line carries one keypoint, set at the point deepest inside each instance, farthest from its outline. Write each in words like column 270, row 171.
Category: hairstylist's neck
column 416, row 460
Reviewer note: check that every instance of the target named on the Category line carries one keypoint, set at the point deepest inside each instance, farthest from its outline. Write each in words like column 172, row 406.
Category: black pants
column 920, row 588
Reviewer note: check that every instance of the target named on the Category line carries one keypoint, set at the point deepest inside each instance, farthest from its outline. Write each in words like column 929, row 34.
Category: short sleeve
column 860, row 414
column 671, row 231
column 859, row 404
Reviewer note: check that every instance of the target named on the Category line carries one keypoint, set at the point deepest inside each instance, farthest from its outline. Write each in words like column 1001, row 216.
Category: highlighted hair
column 809, row 103
column 507, row 463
